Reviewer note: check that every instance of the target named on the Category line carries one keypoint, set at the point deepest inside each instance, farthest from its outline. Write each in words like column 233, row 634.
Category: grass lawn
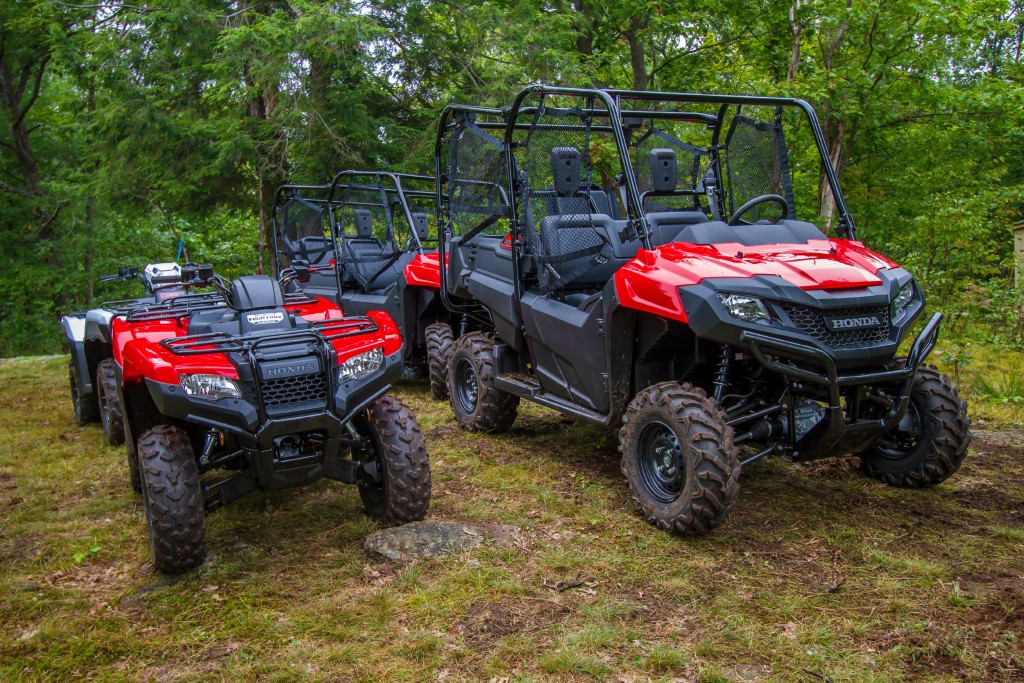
column 819, row 575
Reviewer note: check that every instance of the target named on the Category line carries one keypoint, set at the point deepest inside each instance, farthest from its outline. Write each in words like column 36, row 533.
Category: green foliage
column 156, row 124
column 1005, row 387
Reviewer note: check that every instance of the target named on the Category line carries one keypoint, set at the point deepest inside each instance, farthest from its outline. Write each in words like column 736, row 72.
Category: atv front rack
column 220, row 342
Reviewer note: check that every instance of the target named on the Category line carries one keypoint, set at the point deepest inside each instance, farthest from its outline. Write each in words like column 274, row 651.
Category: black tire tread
column 173, row 498
column 106, row 380
column 496, row 410
column 439, row 353
column 403, row 455
column 718, row 468
column 950, row 429
column 86, row 411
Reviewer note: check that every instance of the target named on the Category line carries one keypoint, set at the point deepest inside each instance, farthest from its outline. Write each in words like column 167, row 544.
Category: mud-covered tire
column 931, row 442
column 679, row 459
column 478, row 405
column 173, row 499
column 111, row 415
column 86, row 411
column 403, row 493
column 439, row 353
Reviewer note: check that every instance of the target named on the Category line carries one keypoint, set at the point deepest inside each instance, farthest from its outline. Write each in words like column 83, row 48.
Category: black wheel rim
column 467, row 387
column 904, row 440
column 661, row 462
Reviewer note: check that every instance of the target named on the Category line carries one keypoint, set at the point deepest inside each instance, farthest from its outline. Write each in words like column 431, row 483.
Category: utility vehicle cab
column 302, row 236
column 645, row 257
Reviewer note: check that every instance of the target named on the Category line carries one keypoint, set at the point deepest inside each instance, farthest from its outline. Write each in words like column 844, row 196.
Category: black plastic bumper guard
column 839, row 436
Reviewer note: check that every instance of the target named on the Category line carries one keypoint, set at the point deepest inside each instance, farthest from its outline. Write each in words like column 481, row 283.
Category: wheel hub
column 467, row 385
column 661, row 462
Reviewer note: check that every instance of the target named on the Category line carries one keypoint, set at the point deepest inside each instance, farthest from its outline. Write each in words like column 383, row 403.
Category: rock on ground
column 433, row 538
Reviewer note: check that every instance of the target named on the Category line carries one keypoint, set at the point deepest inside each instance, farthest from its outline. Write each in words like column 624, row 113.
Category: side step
column 529, row 388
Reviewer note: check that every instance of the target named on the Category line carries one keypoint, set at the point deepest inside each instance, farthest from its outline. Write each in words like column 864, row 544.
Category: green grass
column 819, row 572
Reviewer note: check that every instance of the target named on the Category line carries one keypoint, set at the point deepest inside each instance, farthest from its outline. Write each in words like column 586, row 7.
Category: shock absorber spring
column 721, row 380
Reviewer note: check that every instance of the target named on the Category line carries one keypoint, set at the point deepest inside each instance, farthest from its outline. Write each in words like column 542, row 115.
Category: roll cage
column 614, row 112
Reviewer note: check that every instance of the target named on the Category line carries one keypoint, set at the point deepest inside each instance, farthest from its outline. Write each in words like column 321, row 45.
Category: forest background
column 133, row 128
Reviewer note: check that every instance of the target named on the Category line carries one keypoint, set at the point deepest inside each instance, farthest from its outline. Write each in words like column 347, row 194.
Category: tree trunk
column 796, row 29
column 835, row 135
column 637, row 58
column 584, row 25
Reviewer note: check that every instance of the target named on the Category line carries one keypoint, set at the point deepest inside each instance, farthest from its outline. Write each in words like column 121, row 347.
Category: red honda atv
column 370, row 241
column 669, row 284
column 279, row 390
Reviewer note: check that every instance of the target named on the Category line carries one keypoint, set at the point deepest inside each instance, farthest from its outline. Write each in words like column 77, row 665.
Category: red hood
column 651, row 281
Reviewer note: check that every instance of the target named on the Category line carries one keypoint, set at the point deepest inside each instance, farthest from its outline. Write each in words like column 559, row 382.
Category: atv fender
column 97, row 325
column 74, row 327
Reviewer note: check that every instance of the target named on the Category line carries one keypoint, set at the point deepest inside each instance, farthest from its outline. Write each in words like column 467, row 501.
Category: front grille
column 286, row 391
column 811, row 321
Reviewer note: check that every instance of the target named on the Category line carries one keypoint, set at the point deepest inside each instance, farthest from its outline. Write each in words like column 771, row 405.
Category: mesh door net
column 476, row 202
column 688, row 164
column 301, row 234
column 555, row 205
column 757, row 163
column 367, row 233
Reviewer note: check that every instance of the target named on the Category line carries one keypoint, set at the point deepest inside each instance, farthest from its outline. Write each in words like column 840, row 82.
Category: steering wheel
column 774, row 198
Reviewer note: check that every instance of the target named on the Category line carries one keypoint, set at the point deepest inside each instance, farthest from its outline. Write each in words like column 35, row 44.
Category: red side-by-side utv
column 258, row 389
column 639, row 258
column 370, row 239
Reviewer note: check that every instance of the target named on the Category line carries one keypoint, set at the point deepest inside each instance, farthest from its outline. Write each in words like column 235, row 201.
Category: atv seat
column 252, row 292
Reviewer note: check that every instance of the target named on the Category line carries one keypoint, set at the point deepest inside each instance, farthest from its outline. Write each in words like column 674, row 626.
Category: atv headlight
column 749, row 309
column 903, row 297
column 363, row 365
column 210, row 387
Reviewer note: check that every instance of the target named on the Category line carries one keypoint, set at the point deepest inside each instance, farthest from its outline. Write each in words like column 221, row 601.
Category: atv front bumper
column 262, row 435
column 806, row 366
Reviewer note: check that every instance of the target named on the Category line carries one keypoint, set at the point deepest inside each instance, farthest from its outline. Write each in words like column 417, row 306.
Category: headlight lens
column 903, row 297
column 210, row 387
column 746, row 308
column 363, row 365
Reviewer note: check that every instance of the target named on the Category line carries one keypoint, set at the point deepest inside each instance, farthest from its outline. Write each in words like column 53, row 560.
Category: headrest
column 364, row 222
column 420, row 225
column 250, row 292
column 663, row 169
column 565, row 168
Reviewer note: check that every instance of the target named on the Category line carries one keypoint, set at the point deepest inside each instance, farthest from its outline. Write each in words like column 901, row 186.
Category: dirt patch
column 990, row 498
column 485, row 623
column 22, row 548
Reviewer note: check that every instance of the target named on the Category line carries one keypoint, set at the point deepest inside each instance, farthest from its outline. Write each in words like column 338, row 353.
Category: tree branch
column 35, row 90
